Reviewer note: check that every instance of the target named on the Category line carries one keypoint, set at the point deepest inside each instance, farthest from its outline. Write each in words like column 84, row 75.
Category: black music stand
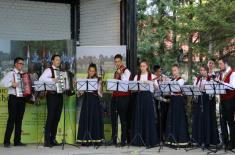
column 169, row 88
column 138, row 86
column 40, row 86
column 218, row 88
column 87, row 85
column 116, row 85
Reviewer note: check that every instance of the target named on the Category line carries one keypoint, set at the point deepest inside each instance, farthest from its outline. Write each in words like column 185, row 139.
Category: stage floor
column 110, row 150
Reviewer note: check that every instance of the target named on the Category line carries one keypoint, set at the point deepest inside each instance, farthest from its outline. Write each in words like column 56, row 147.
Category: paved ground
column 110, row 150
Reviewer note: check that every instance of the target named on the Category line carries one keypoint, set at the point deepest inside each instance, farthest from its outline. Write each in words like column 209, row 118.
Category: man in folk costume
column 120, row 102
column 54, row 103
column 227, row 75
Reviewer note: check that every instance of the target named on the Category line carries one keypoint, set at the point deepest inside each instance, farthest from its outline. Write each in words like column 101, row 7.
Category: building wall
column 30, row 20
column 99, row 22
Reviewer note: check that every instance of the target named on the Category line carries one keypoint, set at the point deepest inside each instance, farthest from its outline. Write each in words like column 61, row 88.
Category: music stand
column 40, row 86
column 169, row 88
column 139, row 86
column 116, row 85
column 87, row 85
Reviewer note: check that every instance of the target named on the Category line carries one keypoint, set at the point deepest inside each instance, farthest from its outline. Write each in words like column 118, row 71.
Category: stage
column 71, row 150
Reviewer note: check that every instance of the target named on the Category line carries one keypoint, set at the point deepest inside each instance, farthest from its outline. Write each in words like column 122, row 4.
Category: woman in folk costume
column 177, row 125
column 204, row 125
column 91, row 129
column 144, row 129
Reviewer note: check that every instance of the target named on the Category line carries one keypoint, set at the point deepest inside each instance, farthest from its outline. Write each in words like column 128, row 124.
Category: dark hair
column 205, row 67
column 224, row 59
column 144, row 61
column 211, row 59
column 92, row 65
column 54, row 56
column 17, row 59
column 118, row 56
column 156, row 68
column 176, row 65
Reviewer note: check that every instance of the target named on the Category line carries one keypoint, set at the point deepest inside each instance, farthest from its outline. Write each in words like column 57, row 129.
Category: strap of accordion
column 52, row 72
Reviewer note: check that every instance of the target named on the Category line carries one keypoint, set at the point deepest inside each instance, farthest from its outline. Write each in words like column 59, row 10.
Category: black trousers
column 16, row 108
column 54, row 109
column 119, row 106
column 228, row 112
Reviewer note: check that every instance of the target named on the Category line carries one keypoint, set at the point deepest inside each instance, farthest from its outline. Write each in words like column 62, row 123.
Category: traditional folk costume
column 91, row 125
column 177, row 125
column 228, row 107
column 144, row 116
column 120, row 106
column 204, row 124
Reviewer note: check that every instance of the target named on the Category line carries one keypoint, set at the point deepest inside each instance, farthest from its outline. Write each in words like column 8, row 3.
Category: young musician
column 227, row 75
column 54, row 103
column 211, row 67
column 16, row 105
column 177, row 125
column 91, row 127
column 144, row 114
column 204, row 124
column 120, row 102
column 161, row 102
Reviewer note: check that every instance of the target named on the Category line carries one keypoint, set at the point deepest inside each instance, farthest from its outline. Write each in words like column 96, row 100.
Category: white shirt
column 232, row 77
column 180, row 81
column 126, row 75
column 201, row 83
column 47, row 75
column 144, row 77
column 8, row 79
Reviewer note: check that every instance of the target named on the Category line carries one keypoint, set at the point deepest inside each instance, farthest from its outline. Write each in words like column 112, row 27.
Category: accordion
column 61, row 84
column 24, row 89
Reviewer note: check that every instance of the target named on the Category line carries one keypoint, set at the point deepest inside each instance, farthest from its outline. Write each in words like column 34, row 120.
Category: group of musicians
column 146, row 120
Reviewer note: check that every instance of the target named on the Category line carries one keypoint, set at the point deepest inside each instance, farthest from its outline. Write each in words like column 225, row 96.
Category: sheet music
column 87, row 84
column 140, row 85
column 190, row 90
column 212, row 87
column 43, row 86
column 167, row 87
column 117, row 85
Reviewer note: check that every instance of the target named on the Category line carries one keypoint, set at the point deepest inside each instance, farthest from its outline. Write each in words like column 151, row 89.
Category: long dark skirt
column 91, row 127
column 144, row 121
column 204, row 125
column 177, row 124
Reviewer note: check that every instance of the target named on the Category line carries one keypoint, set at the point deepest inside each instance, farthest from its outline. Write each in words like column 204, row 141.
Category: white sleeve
column 232, row 80
column 195, row 82
column 7, row 80
column 46, row 76
column 126, row 75
column 181, row 82
column 135, row 78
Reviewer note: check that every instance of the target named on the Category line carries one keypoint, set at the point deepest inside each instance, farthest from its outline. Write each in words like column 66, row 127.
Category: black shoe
column 55, row 143
column 19, row 144
column 47, row 145
column 7, row 145
column 230, row 147
column 123, row 144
